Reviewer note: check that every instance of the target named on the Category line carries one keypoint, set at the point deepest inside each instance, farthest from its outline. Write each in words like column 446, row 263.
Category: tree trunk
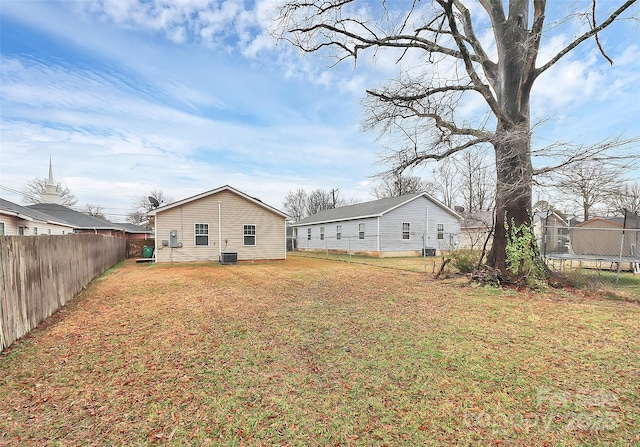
column 512, row 142
column 513, row 187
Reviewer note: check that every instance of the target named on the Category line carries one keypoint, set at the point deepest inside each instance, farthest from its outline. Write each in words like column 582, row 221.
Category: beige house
column 223, row 223
column 18, row 220
column 604, row 236
column 475, row 229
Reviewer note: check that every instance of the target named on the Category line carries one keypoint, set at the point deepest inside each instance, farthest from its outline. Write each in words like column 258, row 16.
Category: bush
column 466, row 260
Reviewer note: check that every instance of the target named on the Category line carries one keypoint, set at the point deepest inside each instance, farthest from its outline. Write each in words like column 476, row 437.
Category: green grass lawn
column 313, row 352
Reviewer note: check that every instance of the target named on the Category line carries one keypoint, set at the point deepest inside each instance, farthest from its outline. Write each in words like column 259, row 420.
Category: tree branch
column 593, row 31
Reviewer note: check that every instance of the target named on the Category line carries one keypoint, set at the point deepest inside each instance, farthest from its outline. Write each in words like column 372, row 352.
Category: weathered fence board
column 134, row 247
column 39, row 274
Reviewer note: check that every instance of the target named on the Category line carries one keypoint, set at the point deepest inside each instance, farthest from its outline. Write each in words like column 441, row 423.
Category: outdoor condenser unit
column 229, row 257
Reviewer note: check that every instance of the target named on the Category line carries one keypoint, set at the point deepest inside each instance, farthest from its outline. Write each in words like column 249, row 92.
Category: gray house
column 396, row 226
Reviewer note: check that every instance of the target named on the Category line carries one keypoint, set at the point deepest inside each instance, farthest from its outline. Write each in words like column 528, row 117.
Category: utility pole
column 333, row 195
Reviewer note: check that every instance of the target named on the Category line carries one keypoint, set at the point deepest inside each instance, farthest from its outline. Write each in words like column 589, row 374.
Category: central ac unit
column 229, row 258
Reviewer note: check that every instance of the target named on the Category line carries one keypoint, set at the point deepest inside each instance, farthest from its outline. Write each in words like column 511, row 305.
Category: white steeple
column 50, row 194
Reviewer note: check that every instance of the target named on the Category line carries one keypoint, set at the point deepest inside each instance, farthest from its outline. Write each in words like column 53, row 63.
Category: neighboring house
column 23, row 221
column 133, row 231
column 387, row 227
column 81, row 222
column 476, row 227
column 603, row 236
column 551, row 231
column 223, row 220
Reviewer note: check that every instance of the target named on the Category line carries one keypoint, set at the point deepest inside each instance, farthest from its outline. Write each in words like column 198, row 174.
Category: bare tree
column 94, row 211
column 142, row 204
column 476, row 185
column 445, row 183
column 295, row 204
column 36, row 187
column 395, row 185
column 300, row 204
column 136, row 217
column 320, row 200
column 588, row 184
column 455, row 66
column 625, row 197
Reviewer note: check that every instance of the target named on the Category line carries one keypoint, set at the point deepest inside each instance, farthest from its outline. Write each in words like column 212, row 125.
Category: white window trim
column 255, row 235
column 308, row 234
column 195, row 235
column 408, row 232
column 361, row 225
column 440, row 234
column 338, row 232
column 322, row 233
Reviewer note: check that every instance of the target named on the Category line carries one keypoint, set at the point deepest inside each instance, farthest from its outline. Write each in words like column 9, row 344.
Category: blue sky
column 186, row 96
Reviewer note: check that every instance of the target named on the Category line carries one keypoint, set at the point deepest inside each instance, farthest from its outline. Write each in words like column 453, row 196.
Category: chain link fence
column 600, row 254
column 382, row 250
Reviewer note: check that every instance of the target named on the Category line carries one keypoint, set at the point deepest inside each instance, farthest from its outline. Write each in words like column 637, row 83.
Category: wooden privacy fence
column 39, row 274
column 134, row 247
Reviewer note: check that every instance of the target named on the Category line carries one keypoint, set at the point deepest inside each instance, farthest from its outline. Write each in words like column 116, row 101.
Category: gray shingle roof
column 132, row 228
column 20, row 211
column 374, row 208
column 75, row 218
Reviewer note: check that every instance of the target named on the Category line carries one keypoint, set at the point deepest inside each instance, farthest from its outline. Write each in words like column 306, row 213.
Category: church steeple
column 50, row 194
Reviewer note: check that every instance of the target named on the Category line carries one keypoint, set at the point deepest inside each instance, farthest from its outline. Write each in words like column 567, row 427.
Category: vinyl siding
column 236, row 211
column 350, row 240
column 384, row 233
column 11, row 225
column 415, row 213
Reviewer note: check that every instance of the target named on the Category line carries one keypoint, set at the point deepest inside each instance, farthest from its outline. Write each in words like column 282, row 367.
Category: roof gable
column 212, row 192
column 374, row 208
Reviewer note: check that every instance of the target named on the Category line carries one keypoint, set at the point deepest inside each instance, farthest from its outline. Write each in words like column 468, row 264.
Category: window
column 1, row 228
column 308, row 234
column 20, row 231
column 361, row 231
column 338, row 232
column 35, row 231
column 249, row 235
column 406, row 232
column 322, row 233
column 49, row 231
column 202, row 234
column 440, row 231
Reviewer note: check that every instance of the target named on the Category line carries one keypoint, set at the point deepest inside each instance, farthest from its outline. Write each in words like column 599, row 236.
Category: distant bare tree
column 477, row 185
column 396, row 185
column 320, row 200
column 625, row 197
column 136, row 217
column 588, row 184
column 141, row 205
column 300, row 204
column 295, row 204
column 444, row 184
column 94, row 211
column 36, row 187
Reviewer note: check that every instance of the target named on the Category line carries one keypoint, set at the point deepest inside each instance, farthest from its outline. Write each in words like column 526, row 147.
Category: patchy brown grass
column 313, row 352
